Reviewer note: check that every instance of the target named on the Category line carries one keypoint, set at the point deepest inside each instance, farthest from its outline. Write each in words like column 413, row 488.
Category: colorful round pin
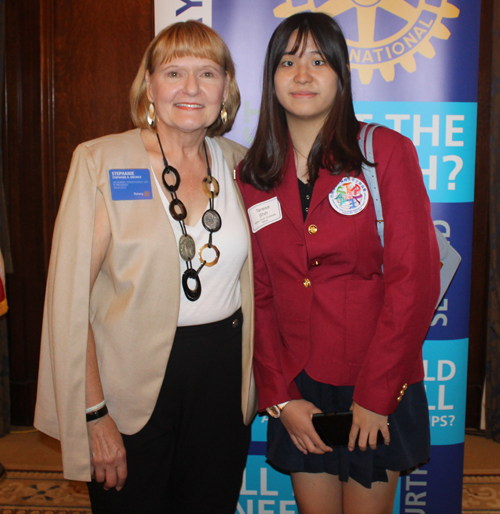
column 350, row 196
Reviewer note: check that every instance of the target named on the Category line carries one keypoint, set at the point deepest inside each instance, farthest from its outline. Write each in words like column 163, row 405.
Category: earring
column 152, row 115
column 223, row 114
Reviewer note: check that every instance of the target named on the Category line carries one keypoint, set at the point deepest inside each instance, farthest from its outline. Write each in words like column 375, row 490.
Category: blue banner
column 414, row 69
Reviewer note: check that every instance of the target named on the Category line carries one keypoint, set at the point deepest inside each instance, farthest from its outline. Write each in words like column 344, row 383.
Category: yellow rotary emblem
column 408, row 31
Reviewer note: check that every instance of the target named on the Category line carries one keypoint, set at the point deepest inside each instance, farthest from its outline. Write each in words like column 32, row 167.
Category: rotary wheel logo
column 386, row 32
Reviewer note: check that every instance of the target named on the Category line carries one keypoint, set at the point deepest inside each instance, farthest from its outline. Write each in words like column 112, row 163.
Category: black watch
column 99, row 413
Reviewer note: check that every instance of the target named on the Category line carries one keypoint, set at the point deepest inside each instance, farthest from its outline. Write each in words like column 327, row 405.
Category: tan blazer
column 133, row 307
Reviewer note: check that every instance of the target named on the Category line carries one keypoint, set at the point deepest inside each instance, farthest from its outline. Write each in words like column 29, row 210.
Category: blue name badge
column 130, row 184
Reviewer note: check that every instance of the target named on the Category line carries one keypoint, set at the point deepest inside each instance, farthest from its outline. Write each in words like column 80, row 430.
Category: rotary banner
column 414, row 69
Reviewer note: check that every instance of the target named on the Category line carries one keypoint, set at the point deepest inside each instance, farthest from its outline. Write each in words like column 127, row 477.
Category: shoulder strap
column 370, row 173
column 449, row 257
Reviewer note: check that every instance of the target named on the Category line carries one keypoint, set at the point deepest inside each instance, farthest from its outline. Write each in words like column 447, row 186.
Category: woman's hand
column 107, row 453
column 367, row 424
column 297, row 419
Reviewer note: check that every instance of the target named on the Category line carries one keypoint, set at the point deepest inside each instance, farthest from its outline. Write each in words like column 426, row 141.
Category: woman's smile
column 303, row 94
column 189, row 106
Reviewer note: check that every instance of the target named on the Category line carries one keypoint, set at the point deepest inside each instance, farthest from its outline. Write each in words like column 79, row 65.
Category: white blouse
column 220, row 284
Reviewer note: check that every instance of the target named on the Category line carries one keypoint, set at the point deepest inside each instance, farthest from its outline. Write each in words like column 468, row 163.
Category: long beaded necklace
column 211, row 221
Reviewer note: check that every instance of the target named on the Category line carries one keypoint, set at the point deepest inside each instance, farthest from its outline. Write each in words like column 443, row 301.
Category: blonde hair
column 185, row 39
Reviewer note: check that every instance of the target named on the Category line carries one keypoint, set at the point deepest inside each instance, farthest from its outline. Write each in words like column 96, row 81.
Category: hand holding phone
column 334, row 428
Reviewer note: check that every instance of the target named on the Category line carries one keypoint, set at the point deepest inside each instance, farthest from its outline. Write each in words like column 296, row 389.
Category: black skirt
column 409, row 429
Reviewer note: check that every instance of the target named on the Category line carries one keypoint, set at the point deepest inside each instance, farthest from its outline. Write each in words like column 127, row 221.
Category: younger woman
column 340, row 320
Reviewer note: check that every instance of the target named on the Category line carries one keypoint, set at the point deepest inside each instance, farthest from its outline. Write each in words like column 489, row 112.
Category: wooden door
column 68, row 70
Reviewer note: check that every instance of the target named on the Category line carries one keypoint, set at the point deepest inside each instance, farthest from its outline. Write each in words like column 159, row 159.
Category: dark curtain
column 493, row 341
column 4, row 247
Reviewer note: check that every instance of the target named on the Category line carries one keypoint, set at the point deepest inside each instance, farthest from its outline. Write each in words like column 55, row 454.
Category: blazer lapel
column 157, row 219
column 324, row 185
column 288, row 195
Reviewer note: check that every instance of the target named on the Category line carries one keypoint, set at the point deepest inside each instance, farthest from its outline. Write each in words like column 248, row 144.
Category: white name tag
column 264, row 213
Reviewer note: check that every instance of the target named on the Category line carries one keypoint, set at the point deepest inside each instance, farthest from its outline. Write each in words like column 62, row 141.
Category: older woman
column 145, row 370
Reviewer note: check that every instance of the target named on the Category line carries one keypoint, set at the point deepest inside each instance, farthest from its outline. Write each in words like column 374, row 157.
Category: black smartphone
column 334, row 428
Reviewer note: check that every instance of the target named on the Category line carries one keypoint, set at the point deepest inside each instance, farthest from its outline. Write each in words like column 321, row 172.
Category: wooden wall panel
column 69, row 67
column 480, row 243
column 23, row 188
column 96, row 50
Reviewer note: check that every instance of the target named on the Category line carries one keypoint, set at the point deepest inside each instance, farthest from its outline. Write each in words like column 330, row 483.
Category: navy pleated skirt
column 409, row 429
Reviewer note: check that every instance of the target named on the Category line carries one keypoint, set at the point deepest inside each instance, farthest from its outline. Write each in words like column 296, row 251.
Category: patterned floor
column 35, row 492
column 481, row 495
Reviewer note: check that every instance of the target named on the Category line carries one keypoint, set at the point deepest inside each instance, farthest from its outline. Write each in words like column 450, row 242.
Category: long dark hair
column 336, row 147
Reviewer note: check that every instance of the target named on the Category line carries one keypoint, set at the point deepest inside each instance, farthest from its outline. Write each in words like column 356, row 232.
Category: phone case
column 334, row 428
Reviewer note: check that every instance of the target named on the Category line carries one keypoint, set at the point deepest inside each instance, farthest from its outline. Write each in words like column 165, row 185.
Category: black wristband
column 97, row 414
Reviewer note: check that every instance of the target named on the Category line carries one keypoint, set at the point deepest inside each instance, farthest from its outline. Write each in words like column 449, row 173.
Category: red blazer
column 324, row 304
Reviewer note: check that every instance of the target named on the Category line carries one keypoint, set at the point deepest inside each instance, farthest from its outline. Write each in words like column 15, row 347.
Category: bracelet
column 275, row 410
column 97, row 414
column 95, row 407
